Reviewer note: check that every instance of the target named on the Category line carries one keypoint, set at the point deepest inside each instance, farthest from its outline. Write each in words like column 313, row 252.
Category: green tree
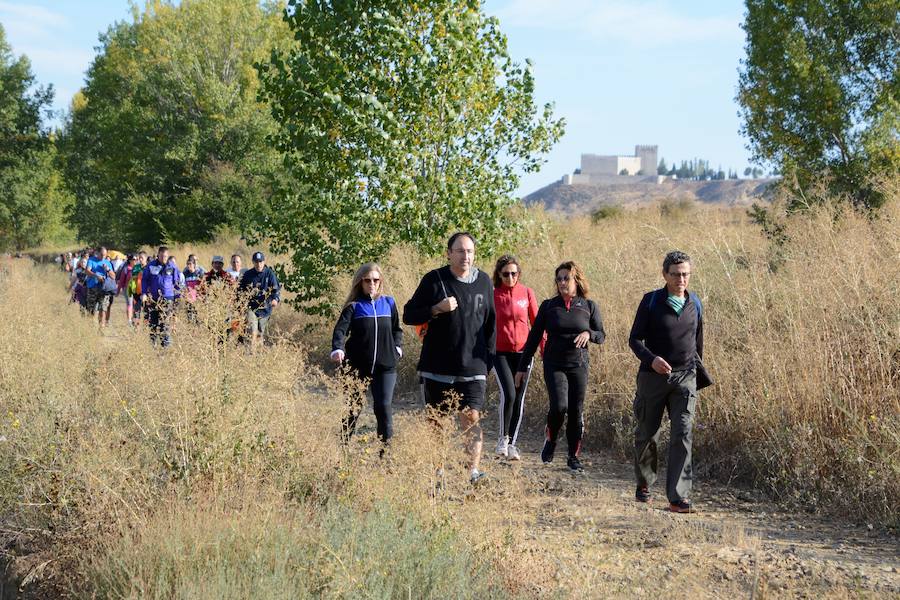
column 167, row 140
column 32, row 198
column 662, row 169
column 820, row 91
column 400, row 123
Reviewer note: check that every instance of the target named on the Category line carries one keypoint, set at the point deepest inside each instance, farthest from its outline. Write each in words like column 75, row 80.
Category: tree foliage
column 400, row 122
column 32, row 198
column 167, row 141
column 820, row 91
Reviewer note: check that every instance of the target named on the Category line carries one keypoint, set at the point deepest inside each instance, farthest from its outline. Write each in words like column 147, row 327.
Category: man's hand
column 446, row 305
column 274, row 303
column 520, row 377
column 661, row 366
column 337, row 356
column 582, row 340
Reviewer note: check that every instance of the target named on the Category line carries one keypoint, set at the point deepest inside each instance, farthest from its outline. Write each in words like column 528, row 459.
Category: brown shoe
column 682, row 506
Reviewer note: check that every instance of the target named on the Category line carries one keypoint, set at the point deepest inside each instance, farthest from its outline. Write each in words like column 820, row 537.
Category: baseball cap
column 218, row 259
column 258, row 257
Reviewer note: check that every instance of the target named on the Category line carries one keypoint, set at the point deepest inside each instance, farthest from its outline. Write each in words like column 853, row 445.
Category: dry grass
column 204, row 467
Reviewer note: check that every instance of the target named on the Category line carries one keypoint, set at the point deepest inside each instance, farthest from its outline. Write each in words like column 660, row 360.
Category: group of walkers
column 471, row 325
column 153, row 288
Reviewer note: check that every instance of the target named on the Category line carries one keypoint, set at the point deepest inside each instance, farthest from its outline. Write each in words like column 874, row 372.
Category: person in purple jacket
column 159, row 280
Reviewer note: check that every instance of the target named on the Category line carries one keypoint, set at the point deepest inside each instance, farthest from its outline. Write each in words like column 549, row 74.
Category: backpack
column 693, row 297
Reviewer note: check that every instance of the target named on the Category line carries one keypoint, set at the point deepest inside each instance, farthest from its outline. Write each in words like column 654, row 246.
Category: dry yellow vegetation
column 208, row 471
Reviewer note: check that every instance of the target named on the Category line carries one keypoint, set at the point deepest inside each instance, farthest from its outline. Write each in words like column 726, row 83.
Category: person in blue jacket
column 159, row 282
column 368, row 336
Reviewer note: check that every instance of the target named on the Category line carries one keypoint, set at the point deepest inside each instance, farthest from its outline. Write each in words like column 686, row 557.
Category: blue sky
column 622, row 72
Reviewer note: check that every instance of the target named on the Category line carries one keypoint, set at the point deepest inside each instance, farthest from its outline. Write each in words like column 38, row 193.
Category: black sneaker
column 547, row 451
column 574, row 464
column 641, row 494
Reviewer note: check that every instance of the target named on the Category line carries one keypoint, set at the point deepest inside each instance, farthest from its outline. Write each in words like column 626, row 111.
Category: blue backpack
column 693, row 297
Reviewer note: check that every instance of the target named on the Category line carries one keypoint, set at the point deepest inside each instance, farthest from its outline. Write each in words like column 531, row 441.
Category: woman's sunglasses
column 370, row 280
column 510, row 273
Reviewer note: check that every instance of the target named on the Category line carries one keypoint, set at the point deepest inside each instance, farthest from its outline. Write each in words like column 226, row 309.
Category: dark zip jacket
column 264, row 288
column 462, row 342
column 375, row 334
column 661, row 332
column 563, row 325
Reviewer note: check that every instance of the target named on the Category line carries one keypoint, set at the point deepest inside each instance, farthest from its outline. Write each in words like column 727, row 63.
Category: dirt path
column 587, row 535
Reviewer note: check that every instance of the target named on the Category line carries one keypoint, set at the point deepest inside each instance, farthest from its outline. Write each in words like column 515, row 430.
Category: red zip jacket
column 516, row 308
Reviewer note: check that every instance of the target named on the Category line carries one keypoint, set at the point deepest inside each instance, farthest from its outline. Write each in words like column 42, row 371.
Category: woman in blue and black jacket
column 369, row 337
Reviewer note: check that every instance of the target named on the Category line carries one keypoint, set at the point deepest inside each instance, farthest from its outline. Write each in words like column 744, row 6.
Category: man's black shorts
column 469, row 394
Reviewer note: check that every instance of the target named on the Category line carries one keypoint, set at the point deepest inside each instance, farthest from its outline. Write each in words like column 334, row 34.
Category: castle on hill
column 597, row 169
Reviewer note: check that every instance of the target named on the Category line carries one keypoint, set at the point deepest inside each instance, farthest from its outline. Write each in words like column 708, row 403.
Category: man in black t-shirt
column 456, row 302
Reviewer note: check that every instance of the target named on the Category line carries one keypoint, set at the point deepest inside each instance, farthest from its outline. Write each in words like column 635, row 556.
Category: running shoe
column 682, row 506
column 476, row 476
column 513, row 453
column 641, row 494
column 503, row 446
column 574, row 464
column 547, row 451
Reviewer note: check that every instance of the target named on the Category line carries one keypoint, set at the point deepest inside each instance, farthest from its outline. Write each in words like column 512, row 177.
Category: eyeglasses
column 680, row 275
column 509, row 273
column 563, row 279
column 370, row 280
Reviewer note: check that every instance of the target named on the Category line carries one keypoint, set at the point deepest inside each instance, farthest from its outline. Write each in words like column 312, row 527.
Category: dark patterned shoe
column 547, row 451
column 574, row 464
column 682, row 507
column 641, row 494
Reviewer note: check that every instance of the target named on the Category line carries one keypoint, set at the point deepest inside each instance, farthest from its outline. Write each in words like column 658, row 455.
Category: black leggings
column 382, row 388
column 566, row 388
column 512, row 401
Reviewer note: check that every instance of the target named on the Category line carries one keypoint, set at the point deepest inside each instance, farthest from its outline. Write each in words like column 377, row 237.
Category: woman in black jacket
column 369, row 337
column 571, row 320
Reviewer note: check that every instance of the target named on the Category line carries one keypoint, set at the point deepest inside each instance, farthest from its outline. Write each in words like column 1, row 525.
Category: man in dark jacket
column 457, row 304
column 264, row 292
column 667, row 337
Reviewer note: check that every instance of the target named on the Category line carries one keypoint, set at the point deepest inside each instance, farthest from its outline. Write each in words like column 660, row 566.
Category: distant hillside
column 579, row 199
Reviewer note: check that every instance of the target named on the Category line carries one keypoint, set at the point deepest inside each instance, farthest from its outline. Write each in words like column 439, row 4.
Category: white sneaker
column 502, row 446
column 476, row 476
column 512, row 453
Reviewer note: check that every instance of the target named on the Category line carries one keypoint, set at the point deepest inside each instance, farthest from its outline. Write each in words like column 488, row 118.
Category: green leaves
column 400, row 122
column 819, row 90
column 32, row 197
column 169, row 140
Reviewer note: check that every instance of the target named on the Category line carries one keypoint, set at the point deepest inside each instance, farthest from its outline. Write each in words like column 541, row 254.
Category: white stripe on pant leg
column 502, row 402
column 522, row 406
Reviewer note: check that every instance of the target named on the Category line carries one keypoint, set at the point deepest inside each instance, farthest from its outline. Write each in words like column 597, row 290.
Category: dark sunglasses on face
column 370, row 280
column 510, row 273
column 563, row 279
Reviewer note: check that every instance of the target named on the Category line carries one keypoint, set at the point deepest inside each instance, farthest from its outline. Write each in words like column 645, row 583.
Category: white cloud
column 641, row 23
column 32, row 14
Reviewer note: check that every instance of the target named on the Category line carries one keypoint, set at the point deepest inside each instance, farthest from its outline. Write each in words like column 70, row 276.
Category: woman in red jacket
column 516, row 308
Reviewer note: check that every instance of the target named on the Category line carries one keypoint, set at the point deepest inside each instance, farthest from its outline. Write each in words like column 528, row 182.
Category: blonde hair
column 356, row 286
column 581, row 285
